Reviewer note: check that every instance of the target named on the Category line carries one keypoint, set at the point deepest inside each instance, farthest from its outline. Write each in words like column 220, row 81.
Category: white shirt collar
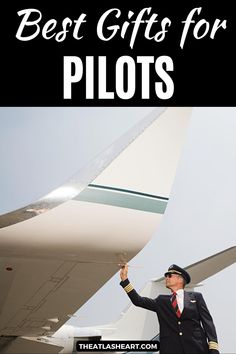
column 180, row 292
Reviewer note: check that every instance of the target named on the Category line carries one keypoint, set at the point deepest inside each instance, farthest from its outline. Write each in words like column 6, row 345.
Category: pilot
column 186, row 326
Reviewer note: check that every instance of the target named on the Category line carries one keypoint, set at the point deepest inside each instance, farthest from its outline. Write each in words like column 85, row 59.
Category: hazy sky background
column 200, row 219
column 41, row 148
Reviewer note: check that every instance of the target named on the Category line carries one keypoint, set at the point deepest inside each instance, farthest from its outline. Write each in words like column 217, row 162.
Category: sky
column 199, row 220
column 41, row 148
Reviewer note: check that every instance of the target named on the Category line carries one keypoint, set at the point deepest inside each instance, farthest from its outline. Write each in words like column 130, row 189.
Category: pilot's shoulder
column 195, row 294
column 162, row 297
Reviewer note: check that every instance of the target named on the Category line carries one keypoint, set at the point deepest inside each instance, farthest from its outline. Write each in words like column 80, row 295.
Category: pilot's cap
column 174, row 269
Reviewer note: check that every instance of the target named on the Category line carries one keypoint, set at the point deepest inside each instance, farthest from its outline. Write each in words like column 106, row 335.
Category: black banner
column 117, row 53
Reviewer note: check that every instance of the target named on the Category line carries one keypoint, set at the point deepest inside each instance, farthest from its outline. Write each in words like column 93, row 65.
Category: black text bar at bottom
column 117, row 346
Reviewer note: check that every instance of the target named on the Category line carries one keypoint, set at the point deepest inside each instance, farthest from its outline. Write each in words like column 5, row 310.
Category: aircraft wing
column 206, row 268
column 209, row 266
column 20, row 345
column 56, row 253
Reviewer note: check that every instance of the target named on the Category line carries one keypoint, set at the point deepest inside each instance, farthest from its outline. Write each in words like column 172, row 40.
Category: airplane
column 146, row 325
column 57, row 252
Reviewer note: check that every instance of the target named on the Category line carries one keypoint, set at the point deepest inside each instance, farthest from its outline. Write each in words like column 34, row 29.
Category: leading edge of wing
column 82, row 178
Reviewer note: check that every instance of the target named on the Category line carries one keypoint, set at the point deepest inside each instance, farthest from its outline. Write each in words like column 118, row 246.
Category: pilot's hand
column 124, row 271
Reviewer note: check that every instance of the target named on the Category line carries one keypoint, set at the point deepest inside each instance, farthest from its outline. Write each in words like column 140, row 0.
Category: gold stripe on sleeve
column 128, row 288
column 213, row 345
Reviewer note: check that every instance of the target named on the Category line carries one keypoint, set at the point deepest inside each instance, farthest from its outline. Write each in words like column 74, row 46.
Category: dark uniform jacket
column 193, row 333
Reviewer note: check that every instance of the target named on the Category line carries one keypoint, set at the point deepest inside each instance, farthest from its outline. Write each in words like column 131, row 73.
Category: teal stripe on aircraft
column 123, row 198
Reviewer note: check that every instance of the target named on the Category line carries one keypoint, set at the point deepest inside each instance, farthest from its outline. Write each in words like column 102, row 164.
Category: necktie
column 175, row 304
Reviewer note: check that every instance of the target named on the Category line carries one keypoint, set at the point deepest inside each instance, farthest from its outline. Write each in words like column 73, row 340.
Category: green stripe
column 126, row 191
column 123, row 198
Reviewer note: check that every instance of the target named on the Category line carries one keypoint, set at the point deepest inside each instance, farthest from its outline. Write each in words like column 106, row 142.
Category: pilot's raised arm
column 137, row 300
